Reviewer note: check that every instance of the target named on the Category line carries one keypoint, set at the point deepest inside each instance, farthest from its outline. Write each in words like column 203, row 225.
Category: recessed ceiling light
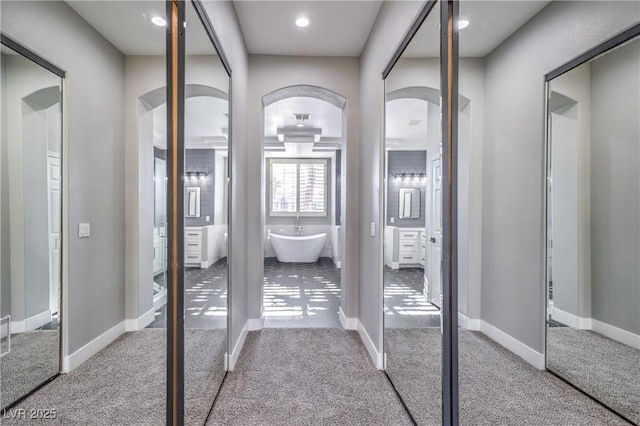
column 302, row 22
column 299, row 125
column 159, row 21
column 463, row 23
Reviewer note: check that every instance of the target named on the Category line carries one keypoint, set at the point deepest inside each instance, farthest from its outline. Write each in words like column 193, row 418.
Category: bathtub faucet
column 298, row 226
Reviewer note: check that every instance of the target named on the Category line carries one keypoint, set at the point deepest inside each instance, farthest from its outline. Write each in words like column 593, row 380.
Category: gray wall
column 615, row 188
column 513, row 179
column 95, row 157
column 393, row 20
column 270, row 73
column 227, row 28
column 405, row 162
column 201, row 160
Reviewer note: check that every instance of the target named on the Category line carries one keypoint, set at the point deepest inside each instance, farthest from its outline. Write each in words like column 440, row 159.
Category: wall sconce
column 402, row 177
column 195, row 176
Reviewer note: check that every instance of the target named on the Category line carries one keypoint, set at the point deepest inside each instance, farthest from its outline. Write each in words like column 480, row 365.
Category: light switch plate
column 84, row 230
column 372, row 230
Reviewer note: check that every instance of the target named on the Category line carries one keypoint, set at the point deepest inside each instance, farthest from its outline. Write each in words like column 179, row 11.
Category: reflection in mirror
column 409, row 203
column 593, row 228
column 193, row 201
column 413, row 226
column 206, row 136
column 30, row 192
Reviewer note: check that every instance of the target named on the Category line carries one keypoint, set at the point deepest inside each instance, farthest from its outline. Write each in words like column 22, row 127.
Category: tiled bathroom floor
column 301, row 295
column 205, row 299
column 405, row 305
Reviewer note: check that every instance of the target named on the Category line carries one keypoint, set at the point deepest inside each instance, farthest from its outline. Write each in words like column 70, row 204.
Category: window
column 298, row 186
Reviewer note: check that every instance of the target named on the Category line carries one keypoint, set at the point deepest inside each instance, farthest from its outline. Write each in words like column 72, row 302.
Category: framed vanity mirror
column 593, row 217
column 409, row 203
column 193, row 201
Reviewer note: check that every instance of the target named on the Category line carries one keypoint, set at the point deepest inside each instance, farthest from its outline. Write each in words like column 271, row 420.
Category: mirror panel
column 413, row 225
column 593, row 228
column 31, row 216
column 206, row 135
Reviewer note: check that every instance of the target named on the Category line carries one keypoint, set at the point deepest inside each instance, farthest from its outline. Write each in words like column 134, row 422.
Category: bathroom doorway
column 303, row 176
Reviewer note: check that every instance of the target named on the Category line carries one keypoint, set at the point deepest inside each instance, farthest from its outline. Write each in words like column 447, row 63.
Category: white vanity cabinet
column 193, row 246
column 404, row 247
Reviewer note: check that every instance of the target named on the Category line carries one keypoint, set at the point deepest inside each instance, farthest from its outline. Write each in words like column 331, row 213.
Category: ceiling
column 406, row 124
column 127, row 25
column 490, row 23
column 337, row 28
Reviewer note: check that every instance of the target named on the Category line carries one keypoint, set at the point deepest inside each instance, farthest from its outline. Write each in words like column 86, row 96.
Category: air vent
column 414, row 122
column 301, row 117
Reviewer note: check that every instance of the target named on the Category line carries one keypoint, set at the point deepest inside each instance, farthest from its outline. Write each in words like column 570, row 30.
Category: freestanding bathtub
column 305, row 248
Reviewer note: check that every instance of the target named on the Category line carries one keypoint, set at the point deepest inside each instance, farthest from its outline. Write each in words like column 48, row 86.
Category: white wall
column 513, row 174
column 267, row 74
column 95, row 153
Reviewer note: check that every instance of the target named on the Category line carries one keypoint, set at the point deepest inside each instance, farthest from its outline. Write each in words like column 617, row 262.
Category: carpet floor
column 306, row 377
column 496, row 386
column 125, row 383
column 604, row 368
column 34, row 358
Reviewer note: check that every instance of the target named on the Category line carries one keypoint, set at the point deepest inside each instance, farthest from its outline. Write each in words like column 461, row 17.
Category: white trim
column 348, row 323
column 233, row 358
column 159, row 302
column 517, row 347
column 619, row 335
column 465, row 322
column 338, row 264
column 564, row 317
column 73, row 361
column 255, row 324
column 140, row 322
column 376, row 356
column 31, row 323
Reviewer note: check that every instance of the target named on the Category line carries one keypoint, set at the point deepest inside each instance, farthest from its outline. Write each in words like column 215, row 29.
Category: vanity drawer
column 408, row 258
column 408, row 245
column 197, row 234
column 193, row 245
column 408, row 235
column 192, row 257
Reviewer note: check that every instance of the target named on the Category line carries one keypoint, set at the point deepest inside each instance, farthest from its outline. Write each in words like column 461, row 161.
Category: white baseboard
column 233, row 358
column 465, row 322
column 517, row 347
column 338, row 264
column 614, row 333
column 564, row 317
column 140, row 322
column 31, row 323
column 348, row 323
column 376, row 356
column 254, row 324
column 73, row 361
column 159, row 302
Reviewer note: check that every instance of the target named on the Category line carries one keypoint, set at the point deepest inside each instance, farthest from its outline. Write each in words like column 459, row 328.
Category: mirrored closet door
column 413, row 224
column 206, row 218
column 31, row 220
column 593, row 224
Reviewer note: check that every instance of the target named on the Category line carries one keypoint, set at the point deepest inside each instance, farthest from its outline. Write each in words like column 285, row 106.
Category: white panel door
column 435, row 242
column 53, row 179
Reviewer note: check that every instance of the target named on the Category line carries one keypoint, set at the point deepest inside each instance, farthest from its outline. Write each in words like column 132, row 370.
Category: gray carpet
column 496, row 386
column 306, row 377
column 34, row 358
column 604, row 368
column 125, row 383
